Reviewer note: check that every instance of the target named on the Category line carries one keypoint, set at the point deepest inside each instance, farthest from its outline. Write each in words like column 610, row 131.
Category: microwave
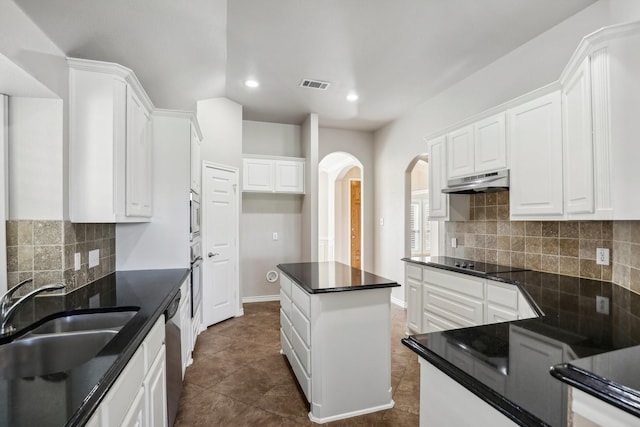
column 194, row 226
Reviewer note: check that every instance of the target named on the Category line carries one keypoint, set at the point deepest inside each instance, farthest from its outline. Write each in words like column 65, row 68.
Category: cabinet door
column 414, row 309
column 578, row 142
column 535, row 138
column 460, row 153
column 135, row 417
column 452, row 307
column 257, row 175
column 438, row 201
column 497, row 314
column 289, row 176
column 138, row 161
column 196, row 168
column 155, row 385
column 490, row 146
column 185, row 332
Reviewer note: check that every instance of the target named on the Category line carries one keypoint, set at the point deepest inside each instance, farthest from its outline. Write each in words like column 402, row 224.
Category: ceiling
column 393, row 54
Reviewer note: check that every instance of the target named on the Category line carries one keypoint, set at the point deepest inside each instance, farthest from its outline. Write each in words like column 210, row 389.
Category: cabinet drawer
column 301, row 325
column 301, row 350
column 286, row 345
column 285, row 303
column 506, row 295
column 456, row 308
column 303, row 379
column 431, row 322
column 285, row 324
column 467, row 285
column 153, row 342
column 497, row 314
column 302, row 300
column 285, row 285
column 124, row 391
column 414, row 272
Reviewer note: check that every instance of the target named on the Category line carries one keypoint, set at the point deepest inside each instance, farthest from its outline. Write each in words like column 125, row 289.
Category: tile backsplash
column 45, row 251
column 564, row 247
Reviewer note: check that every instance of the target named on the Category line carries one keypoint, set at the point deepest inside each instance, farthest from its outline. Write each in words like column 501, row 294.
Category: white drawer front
column 302, row 300
column 303, row 379
column 496, row 314
column 286, row 345
column 285, row 303
column 285, row 284
column 153, row 342
column 506, row 295
column 468, row 285
column 285, row 324
column 302, row 351
column 301, row 325
column 414, row 272
column 456, row 308
column 124, row 391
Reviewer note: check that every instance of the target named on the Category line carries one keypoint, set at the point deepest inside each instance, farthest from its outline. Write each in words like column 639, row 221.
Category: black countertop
column 594, row 351
column 69, row 398
column 322, row 277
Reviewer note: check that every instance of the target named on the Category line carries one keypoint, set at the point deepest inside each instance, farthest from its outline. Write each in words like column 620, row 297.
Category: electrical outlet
column 275, row 235
column 602, row 305
column 94, row 258
column 76, row 261
column 382, row 221
column 454, row 242
column 602, row 256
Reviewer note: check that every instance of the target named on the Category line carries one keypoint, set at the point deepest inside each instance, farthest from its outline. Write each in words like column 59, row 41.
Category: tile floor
column 239, row 377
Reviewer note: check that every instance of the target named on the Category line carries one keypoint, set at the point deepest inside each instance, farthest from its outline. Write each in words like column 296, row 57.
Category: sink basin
column 112, row 320
column 43, row 355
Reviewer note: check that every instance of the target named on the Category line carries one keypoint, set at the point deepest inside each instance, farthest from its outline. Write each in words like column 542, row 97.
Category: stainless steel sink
column 113, row 321
column 41, row 355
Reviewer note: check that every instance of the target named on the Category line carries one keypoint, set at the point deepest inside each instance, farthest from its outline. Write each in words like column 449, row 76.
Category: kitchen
column 228, row 134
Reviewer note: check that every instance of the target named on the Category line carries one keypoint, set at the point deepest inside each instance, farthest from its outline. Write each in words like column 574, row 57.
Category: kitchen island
column 335, row 330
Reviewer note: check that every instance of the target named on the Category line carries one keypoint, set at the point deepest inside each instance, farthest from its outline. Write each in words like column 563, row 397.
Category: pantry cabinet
column 269, row 174
column 110, row 144
column 535, row 138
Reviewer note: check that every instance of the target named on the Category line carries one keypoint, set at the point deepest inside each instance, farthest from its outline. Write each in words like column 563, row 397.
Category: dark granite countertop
column 69, row 398
column 591, row 350
column 322, row 277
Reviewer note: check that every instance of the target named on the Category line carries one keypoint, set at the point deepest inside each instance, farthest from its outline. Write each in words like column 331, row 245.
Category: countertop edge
column 100, row 390
column 617, row 395
column 503, row 405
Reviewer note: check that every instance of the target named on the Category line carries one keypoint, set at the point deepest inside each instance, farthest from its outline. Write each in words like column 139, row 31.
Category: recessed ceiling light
column 251, row 83
column 352, row 97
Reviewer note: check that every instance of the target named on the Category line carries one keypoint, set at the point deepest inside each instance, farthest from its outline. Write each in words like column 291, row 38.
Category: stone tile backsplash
column 564, row 247
column 45, row 251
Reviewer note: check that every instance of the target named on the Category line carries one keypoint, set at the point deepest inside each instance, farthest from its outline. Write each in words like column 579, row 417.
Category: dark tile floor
column 239, row 377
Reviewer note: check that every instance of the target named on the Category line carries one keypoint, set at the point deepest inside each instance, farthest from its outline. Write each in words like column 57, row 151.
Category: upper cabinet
column 535, row 138
column 196, row 159
column 479, row 147
column 454, row 207
column 110, row 144
column 269, row 174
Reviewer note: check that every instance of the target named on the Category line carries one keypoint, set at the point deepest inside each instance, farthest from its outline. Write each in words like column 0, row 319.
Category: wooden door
column 356, row 237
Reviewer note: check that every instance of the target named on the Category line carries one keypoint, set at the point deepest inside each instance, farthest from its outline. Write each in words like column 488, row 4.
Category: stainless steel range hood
column 483, row 183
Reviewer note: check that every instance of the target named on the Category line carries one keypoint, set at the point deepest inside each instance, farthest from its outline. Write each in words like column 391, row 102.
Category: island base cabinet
column 438, row 408
column 589, row 411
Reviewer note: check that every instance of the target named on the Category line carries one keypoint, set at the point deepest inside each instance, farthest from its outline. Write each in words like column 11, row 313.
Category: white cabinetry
column 502, row 302
column 442, row 206
column 268, row 174
column 321, row 336
column 109, row 144
column 589, row 411
column 480, row 147
column 138, row 397
column 414, row 297
column 535, row 136
column 184, row 311
column 196, row 159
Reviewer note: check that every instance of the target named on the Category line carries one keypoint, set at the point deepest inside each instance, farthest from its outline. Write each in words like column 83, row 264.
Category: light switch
column 275, row 236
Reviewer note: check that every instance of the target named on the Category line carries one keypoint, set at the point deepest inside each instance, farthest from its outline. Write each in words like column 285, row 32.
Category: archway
column 340, row 209
column 421, row 235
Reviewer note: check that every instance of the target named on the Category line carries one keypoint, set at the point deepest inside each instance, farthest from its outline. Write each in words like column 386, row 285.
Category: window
column 415, row 223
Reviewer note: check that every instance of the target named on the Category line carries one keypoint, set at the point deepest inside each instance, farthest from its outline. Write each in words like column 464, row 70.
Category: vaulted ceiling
column 393, row 54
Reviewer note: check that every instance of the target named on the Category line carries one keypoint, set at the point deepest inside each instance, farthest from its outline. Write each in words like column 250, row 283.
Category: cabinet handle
column 211, row 255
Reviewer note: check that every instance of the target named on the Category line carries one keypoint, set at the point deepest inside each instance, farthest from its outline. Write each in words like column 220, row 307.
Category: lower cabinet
column 439, row 300
column 589, row 411
column 138, row 397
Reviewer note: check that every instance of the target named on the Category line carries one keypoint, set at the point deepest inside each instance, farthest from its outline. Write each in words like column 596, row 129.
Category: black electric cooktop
column 465, row 265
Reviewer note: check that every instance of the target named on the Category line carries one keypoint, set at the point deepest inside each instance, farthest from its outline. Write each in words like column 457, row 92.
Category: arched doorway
column 340, row 209
column 421, row 234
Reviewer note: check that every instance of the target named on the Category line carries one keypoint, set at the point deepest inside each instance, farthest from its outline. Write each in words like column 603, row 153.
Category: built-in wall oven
column 196, row 279
column 194, row 228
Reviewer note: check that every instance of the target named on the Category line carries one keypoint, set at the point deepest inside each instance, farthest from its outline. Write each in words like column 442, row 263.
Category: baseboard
column 261, row 298
column 398, row 302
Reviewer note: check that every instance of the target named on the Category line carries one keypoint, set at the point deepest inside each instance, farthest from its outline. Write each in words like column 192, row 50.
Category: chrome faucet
column 6, row 314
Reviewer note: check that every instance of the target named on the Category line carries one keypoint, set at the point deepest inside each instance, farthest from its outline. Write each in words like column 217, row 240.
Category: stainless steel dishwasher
column 174, row 358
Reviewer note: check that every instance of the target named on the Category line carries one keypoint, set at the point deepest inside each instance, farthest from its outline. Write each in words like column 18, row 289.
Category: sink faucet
column 6, row 314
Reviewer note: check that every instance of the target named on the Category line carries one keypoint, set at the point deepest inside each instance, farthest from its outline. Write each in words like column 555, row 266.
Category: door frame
column 204, row 231
column 361, row 219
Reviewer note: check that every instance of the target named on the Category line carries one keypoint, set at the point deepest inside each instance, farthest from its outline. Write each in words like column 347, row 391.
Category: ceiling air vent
column 314, row 84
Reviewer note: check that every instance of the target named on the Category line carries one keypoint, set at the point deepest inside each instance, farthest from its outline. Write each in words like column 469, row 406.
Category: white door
column 220, row 282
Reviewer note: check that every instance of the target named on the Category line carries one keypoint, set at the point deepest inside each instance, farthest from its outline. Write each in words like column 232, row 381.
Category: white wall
column 534, row 64
column 361, row 146
column 264, row 214
column 36, row 159
column 220, row 121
